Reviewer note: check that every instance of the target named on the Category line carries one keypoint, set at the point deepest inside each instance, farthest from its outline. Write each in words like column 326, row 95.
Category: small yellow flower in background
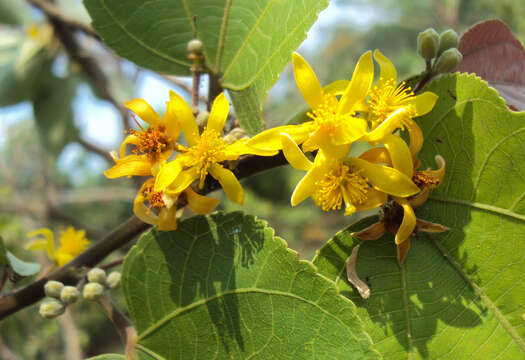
column 392, row 106
column 72, row 243
column 359, row 184
column 205, row 153
column 152, row 145
column 334, row 125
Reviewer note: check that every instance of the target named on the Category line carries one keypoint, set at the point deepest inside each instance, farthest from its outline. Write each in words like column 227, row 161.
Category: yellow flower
column 161, row 208
column 205, row 152
column 334, row 125
column 72, row 243
column 392, row 106
column 360, row 184
column 151, row 145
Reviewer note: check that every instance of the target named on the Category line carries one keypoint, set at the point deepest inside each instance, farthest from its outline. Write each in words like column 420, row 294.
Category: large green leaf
column 460, row 294
column 108, row 357
column 14, row 12
column 246, row 43
column 223, row 286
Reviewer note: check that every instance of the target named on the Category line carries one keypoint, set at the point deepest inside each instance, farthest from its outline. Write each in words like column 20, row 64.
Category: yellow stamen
column 421, row 179
column 209, row 150
column 152, row 141
column 329, row 191
column 153, row 198
column 386, row 99
column 325, row 116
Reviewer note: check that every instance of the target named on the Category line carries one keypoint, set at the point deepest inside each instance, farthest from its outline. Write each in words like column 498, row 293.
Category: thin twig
column 196, row 77
column 94, row 148
column 112, row 264
column 4, row 276
column 54, row 12
column 214, row 88
column 30, row 294
column 126, row 330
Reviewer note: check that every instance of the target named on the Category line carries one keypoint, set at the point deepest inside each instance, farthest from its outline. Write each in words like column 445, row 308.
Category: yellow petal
column 377, row 155
column 231, row 186
column 358, row 88
column 167, row 174
column 386, row 68
column 423, row 103
column 306, row 187
column 386, row 179
column 62, row 258
column 141, row 211
column 336, row 88
column 185, row 118
column 219, row 113
column 388, row 126
column 200, row 204
column 168, row 219
column 173, row 126
column 293, row 154
column 37, row 245
column 374, row 200
column 49, row 241
column 270, row 139
column 130, row 139
column 239, row 147
column 416, row 138
column 307, row 81
column 409, row 221
column 131, row 165
column 349, row 131
column 144, row 111
column 400, row 154
column 181, row 182
column 438, row 174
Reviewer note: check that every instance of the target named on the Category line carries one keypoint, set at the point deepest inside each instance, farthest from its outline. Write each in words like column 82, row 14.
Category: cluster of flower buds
column 59, row 295
column 439, row 48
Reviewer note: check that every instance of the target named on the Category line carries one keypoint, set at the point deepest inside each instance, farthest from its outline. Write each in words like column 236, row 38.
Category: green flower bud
column 69, row 294
column 97, row 275
column 92, row 291
column 113, row 280
column 448, row 39
column 52, row 308
column 428, row 44
column 195, row 46
column 448, row 61
column 53, row 288
column 234, row 135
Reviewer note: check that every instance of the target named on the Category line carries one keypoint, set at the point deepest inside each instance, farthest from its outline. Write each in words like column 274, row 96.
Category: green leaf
column 246, row 43
column 14, row 12
column 223, row 286
column 22, row 268
column 4, row 260
column 108, row 357
column 460, row 294
column 53, row 112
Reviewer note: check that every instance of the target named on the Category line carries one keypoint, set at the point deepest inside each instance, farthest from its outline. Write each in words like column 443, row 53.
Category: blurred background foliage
column 61, row 113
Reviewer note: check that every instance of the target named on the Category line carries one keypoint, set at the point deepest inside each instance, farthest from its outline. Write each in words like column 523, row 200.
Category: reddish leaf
column 491, row 51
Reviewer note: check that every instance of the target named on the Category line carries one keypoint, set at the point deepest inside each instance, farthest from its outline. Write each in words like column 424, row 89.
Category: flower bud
column 202, row 119
column 53, row 288
column 113, row 280
column 448, row 61
column 69, row 295
column 195, row 46
column 428, row 44
column 448, row 39
column 97, row 275
column 92, row 291
column 51, row 308
column 234, row 135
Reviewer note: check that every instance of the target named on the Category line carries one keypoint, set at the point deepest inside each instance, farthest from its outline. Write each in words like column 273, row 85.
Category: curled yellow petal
column 141, row 211
column 337, row 87
column 183, row 180
column 293, row 154
column 168, row 219
column 173, row 126
column 239, row 147
column 306, row 187
column 270, row 139
column 377, row 155
column 130, row 139
column 416, row 138
column 374, row 200
column 399, row 154
column 359, row 85
column 167, row 174
column 48, row 244
column 349, row 131
column 423, row 103
column 144, row 111
column 402, row 251
column 219, row 113
column 387, row 127
column 409, row 221
column 439, row 173
column 200, row 204
column 386, row 179
column 185, row 118
column 386, row 68
column 307, row 81
column 231, row 186
column 131, row 165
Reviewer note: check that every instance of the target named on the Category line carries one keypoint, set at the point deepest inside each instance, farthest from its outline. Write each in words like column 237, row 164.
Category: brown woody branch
column 68, row 274
column 94, row 148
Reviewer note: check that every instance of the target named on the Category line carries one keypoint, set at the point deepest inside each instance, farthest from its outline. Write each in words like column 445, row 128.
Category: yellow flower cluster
column 72, row 243
column 346, row 112
column 206, row 153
